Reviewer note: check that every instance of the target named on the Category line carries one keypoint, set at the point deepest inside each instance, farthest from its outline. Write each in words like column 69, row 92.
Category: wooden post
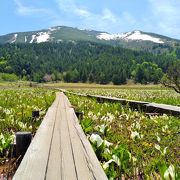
column 79, row 115
column 35, row 114
column 100, row 100
column 23, row 140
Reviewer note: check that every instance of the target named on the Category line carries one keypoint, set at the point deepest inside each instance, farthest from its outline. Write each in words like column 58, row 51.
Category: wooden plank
column 91, row 159
column 82, row 168
column 163, row 108
column 33, row 165
column 55, row 157
column 67, row 162
column 144, row 106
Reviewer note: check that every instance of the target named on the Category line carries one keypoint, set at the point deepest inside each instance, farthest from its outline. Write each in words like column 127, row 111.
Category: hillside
column 79, row 61
column 135, row 40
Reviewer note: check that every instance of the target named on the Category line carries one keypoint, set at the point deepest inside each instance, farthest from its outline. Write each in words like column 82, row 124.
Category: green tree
column 8, row 69
column 67, row 76
column 147, row 72
column 102, row 79
column 172, row 78
column 72, row 76
column 3, row 63
column 119, row 78
column 75, row 76
column 37, row 77
column 91, row 77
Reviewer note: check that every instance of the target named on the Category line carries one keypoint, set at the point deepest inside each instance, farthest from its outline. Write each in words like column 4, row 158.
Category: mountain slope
column 54, row 34
column 75, row 61
column 136, row 40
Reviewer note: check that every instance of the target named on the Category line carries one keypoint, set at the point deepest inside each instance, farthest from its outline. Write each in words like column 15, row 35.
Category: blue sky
column 158, row 16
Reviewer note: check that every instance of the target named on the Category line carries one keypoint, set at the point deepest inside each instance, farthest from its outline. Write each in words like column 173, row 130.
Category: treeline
column 81, row 62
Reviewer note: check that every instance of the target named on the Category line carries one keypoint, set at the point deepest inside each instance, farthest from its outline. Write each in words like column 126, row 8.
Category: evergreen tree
column 82, row 61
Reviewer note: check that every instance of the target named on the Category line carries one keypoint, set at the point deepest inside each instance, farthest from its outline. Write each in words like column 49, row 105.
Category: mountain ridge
column 136, row 40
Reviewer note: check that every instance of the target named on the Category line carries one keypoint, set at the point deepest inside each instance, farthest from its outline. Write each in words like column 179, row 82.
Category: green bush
column 8, row 77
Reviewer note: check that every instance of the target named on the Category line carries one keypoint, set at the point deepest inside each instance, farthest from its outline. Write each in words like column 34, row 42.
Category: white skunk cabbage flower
column 134, row 134
column 157, row 146
column 107, row 144
column 106, row 164
column 170, row 171
column 107, row 151
column 95, row 138
column 116, row 160
column 158, row 138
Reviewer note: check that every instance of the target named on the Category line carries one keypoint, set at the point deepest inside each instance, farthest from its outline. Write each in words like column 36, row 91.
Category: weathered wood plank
column 55, row 157
column 144, row 106
column 60, row 149
column 67, row 163
column 83, row 171
column 91, row 159
column 163, row 108
column 33, row 165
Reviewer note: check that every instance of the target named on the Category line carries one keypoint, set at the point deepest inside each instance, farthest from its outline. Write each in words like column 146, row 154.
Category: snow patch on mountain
column 136, row 35
column 14, row 38
column 84, row 29
column 107, row 37
column 52, row 29
column 33, row 38
column 59, row 40
column 55, row 28
column 40, row 37
column 43, row 37
column 25, row 39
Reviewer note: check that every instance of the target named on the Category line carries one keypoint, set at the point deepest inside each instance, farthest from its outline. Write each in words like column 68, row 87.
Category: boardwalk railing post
column 35, row 115
column 79, row 115
column 23, row 140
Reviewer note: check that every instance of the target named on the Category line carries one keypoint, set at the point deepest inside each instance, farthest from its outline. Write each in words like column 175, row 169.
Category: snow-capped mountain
column 137, row 40
column 135, row 35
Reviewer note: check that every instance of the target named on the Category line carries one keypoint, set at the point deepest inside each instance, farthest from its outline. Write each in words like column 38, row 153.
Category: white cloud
column 29, row 10
column 108, row 15
column 66, row 5
column 127, row 17
column 167, row 7
column 105, row 20
column 69, row 6
column 166, row 16
column 82, row 12
column 162, row 17
column 70, row 11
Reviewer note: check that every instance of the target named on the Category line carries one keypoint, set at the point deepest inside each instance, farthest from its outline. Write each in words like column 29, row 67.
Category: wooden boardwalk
column 139, row 105
column 60, row 149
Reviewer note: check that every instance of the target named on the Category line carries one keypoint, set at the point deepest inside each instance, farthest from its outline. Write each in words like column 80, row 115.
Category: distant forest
column 81, row 62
